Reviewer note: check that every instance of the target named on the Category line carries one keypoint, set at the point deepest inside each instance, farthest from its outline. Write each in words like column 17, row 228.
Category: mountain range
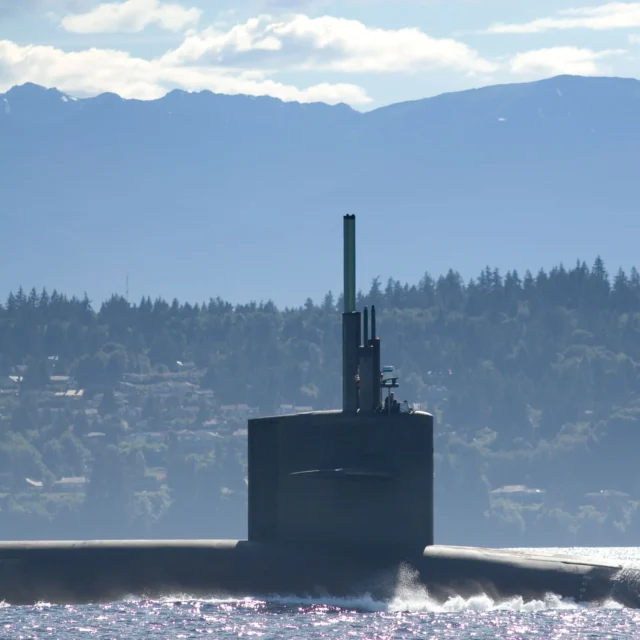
column 199, row 195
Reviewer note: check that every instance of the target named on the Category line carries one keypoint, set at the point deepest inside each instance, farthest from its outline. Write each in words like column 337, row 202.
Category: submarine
column 340, row 503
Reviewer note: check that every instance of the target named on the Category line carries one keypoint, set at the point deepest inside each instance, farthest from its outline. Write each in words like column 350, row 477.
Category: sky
column 366, row 53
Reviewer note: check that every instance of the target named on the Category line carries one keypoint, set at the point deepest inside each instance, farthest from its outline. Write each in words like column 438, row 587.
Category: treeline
column 533, row 381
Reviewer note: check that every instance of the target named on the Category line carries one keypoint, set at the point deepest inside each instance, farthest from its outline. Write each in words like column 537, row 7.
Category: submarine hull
column 102, row 571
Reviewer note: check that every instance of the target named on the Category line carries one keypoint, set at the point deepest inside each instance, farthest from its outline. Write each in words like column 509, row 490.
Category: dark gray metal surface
column 384, row 500
column 81, row 572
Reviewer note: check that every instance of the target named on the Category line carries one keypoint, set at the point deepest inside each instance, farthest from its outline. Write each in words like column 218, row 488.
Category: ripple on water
column 300, row 618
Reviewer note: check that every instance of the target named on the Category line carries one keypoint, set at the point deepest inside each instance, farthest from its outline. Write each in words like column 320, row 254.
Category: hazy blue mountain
column 197, row 194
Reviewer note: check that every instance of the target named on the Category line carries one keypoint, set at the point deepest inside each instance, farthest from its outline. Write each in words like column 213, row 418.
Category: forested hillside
column 128, row 419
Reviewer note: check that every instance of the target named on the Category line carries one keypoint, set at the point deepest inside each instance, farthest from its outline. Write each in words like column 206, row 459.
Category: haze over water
column 411, row 614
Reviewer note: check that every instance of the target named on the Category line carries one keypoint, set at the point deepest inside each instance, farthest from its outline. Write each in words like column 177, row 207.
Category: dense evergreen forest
column 129, row 419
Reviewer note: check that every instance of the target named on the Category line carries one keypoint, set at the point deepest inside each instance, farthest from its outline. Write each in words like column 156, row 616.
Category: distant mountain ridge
column 36, row 102
column 198, row 194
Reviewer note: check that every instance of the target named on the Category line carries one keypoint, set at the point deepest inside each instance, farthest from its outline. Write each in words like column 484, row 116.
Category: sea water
column 409, row 614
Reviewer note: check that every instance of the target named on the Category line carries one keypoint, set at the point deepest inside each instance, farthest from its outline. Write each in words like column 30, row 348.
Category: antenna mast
column 350, row 320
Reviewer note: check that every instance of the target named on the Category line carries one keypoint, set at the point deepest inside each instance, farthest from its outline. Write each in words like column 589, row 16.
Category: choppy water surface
column 409, row 615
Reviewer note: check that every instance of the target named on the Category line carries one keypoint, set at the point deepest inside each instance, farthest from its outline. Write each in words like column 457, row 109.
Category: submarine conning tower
column 358, row 477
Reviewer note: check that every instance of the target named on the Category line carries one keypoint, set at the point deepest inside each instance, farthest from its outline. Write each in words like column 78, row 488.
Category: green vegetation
column 130, row 420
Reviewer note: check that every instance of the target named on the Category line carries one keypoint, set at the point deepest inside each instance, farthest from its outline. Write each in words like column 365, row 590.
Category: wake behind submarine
column 340, row 503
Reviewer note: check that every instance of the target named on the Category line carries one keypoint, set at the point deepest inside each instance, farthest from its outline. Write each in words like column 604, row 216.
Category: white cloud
column 614, row 15
column 560, row 60
column 240, row 59
column 131, row 16
column 634, row 38
column 330, row 44
column 94, row 71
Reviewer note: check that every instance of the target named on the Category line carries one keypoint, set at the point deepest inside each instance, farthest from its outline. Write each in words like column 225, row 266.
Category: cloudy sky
column 366, row 53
